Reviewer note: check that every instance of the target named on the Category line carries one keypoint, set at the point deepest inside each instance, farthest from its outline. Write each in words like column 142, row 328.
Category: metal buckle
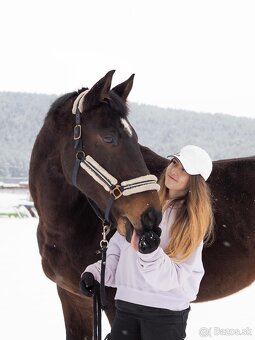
column 104, row 244
column 80, row 155
column 116, row 192
column 77, row 132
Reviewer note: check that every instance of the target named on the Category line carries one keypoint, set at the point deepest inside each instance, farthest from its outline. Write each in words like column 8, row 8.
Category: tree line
column 163, row 130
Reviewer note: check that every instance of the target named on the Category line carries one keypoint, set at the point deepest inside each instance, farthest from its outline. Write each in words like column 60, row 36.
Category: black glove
column 88, row 284
column 148, row 242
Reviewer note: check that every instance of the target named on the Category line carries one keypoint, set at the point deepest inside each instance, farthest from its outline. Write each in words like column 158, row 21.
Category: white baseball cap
column 195, row 161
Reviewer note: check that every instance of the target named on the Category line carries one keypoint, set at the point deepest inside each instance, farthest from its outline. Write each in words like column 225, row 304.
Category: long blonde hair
column 194, row 218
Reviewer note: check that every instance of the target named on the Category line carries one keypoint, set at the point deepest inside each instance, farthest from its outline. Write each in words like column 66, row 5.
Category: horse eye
column 108, row 139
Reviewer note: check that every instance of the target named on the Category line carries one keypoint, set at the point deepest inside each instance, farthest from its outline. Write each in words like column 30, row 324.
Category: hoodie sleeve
column 163, row 274
column 112, row 259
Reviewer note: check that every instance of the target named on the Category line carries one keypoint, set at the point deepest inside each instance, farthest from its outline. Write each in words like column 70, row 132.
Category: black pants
column 137, row 322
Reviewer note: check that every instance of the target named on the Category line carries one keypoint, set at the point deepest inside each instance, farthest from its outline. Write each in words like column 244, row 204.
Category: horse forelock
column 59, row 102
column 118, row 104
column 114, row 107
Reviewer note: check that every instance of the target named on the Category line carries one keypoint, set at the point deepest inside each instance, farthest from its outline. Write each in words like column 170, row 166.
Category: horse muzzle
column 149, row 221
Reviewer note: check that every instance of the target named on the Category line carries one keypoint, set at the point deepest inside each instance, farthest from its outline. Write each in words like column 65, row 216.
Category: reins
column 115, row 189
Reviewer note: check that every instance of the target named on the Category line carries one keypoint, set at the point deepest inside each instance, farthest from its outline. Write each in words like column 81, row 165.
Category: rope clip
column 106, row 230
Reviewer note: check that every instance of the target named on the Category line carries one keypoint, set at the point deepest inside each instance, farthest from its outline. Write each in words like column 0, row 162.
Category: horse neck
column 48, row 180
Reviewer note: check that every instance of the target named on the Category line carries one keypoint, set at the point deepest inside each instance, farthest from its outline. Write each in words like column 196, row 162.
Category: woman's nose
column 174, row 172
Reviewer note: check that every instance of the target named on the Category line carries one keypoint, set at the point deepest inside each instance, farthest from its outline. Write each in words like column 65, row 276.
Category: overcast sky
column 193, row 54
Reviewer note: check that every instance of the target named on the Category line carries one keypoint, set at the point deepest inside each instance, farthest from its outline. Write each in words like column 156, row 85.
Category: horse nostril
column 151, row 215
column 151, row 219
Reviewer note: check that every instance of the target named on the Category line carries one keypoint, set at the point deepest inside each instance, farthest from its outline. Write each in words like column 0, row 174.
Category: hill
column 163, row 130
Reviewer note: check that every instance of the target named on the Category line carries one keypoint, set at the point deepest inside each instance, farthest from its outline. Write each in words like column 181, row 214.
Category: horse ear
column 123, row 89
column 99, row 93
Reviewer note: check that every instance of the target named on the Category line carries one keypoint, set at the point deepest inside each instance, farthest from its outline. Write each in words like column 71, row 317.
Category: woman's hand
column 148, row 242
column 88, row 284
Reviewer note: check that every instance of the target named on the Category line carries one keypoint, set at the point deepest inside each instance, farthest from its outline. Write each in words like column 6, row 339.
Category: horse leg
column 77, row 314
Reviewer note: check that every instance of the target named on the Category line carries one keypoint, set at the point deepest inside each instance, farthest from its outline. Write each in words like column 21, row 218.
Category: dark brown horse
column 69, row 232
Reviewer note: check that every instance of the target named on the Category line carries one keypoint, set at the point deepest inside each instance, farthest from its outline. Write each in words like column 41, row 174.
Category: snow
column 10, row 199
column 30, row 307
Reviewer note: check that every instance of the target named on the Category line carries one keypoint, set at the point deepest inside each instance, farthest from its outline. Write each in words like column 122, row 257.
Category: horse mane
column 64, row 98
column 115, row 106
column 61, row 101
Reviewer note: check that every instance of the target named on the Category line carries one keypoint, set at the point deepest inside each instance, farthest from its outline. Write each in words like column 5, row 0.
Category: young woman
column 157, row 277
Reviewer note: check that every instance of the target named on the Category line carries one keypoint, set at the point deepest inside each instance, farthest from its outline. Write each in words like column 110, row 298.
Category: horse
column 69, row 231
column 229, row 262
column 86, row 157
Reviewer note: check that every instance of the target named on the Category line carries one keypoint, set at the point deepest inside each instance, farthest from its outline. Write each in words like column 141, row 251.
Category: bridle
column 115, row 189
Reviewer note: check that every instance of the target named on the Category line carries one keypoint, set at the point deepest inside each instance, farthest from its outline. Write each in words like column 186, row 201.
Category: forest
column 163, row 130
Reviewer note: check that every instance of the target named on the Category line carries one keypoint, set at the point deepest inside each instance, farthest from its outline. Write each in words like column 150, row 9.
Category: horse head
column 108, row 145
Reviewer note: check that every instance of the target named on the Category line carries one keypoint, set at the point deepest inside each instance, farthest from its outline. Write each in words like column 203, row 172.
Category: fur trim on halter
column 99, row 174
column 78, row 103
column 132, row 186
column 140, row 184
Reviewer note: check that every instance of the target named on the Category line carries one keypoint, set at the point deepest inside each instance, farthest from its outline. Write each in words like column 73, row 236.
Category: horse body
column 230, row 261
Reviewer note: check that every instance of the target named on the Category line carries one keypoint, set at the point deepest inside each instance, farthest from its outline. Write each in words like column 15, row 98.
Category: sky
column 186, row 54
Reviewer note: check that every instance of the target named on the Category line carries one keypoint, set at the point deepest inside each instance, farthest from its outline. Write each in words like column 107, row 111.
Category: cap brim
column 187, row 167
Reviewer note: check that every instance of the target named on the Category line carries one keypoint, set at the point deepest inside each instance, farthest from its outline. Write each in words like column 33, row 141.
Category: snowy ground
column 30, row 308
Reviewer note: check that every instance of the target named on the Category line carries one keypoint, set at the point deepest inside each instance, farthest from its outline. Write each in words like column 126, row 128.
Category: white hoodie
column 153, row 279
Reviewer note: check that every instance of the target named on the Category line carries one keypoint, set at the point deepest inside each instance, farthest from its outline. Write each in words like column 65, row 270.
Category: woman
column 157, row 277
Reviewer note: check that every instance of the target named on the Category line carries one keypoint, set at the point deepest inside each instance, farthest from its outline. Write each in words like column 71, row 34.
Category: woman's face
column 176, row 179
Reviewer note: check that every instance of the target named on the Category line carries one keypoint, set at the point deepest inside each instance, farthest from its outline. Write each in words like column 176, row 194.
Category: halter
column 98, row 173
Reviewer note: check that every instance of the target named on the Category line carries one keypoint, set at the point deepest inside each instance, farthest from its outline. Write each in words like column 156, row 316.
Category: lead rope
column 104, row 246
column 97, row 317
column 99, row 297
